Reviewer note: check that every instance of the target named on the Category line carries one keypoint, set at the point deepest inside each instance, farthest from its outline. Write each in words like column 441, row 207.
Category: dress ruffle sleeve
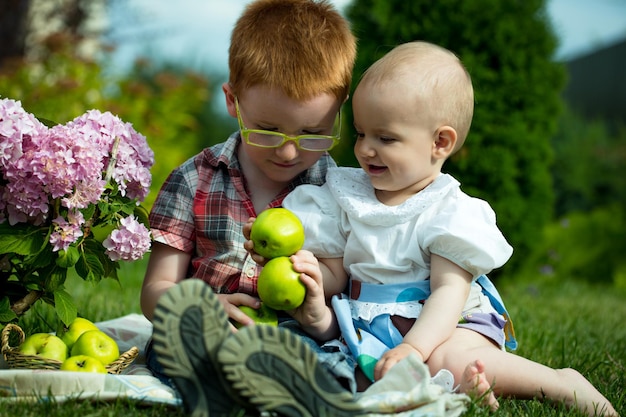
column 463, row 230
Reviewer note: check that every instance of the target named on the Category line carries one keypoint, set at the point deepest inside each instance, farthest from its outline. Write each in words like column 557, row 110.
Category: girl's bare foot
column 475, row 384
column 585, row 396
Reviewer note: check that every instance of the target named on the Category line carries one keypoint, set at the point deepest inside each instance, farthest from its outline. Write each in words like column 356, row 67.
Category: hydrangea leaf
column 68, row 258
column 6, row 314
column 64, row 306
column 20, row 239
column 90, row 268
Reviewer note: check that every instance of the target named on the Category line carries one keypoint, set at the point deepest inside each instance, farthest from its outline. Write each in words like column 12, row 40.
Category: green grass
column 560, row 324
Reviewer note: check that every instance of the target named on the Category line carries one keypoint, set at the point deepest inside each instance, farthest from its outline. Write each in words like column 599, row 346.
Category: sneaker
column 190, row 324
column 277, row 371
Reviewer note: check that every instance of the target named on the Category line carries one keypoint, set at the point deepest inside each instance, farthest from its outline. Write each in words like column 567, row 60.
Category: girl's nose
column 362, row 147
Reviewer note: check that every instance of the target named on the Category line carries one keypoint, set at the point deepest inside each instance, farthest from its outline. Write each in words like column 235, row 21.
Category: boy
column 290, row 64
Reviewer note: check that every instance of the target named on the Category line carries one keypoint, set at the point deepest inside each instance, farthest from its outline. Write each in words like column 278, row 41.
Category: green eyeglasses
column 271, row 139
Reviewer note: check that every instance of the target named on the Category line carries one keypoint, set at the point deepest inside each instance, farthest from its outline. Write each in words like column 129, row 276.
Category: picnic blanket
column 406, row 391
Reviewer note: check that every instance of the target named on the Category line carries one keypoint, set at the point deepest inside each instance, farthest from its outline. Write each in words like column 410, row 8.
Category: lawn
column 560, row 324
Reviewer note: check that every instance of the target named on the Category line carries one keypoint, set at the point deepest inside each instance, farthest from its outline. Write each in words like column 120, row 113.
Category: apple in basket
column 98, row 345
column 77, row 327
column 83, row 363
column 44, row 345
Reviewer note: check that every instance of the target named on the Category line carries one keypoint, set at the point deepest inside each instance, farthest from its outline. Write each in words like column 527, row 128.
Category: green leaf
column 102, row 231
column 48, row 123
column 110, row 269
column 41, row 259
column 106, row 208
column 90, row 268
column 68, row 258
column 128, row 209
column 88, row 211
column 54, row 279
column 6, row 314
column 142, row 216
column 20, row 239
column 64, row 306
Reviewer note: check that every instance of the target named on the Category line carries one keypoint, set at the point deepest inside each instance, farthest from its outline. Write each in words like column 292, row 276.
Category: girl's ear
column 230, row 99
column 445, row 142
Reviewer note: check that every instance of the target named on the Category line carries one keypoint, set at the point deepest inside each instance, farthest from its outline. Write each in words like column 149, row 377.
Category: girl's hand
column 392, row 357
column 314, row 315
column 313, row 309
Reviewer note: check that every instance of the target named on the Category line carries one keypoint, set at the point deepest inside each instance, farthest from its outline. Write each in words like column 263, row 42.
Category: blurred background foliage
column 507, row 48
column 554, row 177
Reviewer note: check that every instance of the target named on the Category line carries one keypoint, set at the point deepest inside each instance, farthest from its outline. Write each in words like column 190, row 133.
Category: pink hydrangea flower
column 66, row 232
column 48, row 174
column 16, row 126
column 129, row 242
column 133, row 157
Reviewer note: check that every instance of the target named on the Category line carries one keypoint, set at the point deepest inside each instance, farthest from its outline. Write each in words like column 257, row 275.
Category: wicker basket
column 15, row 359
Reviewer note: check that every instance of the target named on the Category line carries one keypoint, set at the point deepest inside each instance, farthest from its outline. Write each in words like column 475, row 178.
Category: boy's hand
column 231, row 303
column 248, row 245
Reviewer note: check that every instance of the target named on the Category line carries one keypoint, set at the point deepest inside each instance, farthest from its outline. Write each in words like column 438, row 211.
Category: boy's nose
column 288, row 151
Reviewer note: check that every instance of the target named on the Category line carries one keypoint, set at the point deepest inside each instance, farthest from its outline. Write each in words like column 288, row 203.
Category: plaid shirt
column 201, row 209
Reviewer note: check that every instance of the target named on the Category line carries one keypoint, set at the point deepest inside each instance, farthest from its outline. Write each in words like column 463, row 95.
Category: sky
column 197, row 32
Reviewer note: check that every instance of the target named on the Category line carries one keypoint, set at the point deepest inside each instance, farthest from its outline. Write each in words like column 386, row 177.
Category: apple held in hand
column 97, row 344
column 277, row 232
column 44, row 345
column 262, row 315
column 83, row 363
column 75, row 329
column 279, row 286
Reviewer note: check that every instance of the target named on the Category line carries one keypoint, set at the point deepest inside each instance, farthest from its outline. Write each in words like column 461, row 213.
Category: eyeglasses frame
column 245, row 134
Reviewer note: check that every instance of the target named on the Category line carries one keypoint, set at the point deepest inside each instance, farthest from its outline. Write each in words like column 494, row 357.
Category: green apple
column 97, row 344
column 83, row 363
column 262, row 315
column 77, row 327
column 44, row 345
column 279, row 285
column 277, row 232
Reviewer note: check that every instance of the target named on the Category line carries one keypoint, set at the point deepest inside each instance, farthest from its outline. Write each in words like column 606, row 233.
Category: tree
column 589, row 161
column 589, row 239
column 507, row 48
column 12, row 29
column 28, row 27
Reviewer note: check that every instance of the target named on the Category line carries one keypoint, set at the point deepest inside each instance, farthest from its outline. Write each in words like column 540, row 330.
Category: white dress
column 387, row 245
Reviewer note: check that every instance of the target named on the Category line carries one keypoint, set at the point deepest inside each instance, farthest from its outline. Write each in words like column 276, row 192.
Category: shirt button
column 250, row 271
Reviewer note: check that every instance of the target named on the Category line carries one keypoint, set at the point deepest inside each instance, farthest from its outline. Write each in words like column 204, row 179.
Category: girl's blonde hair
column 437, row 77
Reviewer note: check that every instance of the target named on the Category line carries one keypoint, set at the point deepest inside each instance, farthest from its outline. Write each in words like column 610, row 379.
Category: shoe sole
column 190, row 325
column 279, row 372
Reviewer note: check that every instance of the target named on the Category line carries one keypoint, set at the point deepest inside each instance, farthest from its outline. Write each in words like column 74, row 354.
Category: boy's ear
column 230, row 99
column 445, row 142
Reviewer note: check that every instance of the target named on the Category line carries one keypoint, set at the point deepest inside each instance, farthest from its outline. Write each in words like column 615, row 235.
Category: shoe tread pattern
column 189, row 326
column 279, row 372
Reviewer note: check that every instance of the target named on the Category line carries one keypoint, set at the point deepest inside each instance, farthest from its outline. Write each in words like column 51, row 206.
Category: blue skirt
column 369, row 339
